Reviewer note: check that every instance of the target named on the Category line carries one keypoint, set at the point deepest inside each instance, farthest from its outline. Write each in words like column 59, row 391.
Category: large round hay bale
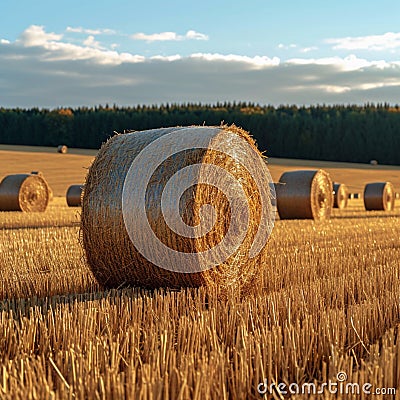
column 74, row 195
column 379, row 196
column 304, row 194
column 24, row 192
column 62, row 148
column 176, row 207
column 340, row 196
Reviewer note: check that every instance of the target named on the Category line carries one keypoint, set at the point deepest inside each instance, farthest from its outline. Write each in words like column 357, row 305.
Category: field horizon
column 63, row 170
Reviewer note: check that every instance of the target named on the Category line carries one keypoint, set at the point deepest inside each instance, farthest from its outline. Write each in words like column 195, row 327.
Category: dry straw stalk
column 24, row 192
column 304, row 194
column 111, row 255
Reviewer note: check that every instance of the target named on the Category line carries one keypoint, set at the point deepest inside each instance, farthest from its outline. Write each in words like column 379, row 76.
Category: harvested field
column 326, row 302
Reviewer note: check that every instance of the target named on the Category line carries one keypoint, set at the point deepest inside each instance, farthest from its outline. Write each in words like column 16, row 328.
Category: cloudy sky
column 85, row 53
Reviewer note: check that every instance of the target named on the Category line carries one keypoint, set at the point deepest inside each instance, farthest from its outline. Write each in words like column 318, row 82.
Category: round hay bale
column 51, row 195
column 24, row 192
column 340, row 196
column 304, row 194
column 74, row 195
column 62, row 149
column 379, row 196
column 352, row 196
column 177, row 207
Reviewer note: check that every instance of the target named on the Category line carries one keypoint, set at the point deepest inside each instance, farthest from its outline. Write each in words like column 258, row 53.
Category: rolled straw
column 379, row 196
column 74, row 195
column 24, row 192
column 185, row 206
column 304, row 194
column 62, row 149
column 340, row 196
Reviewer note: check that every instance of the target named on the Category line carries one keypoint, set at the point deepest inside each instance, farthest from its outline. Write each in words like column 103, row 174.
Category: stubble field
column 326, row 303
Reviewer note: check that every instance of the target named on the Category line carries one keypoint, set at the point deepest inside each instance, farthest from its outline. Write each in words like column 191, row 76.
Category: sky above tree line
column 88, row 53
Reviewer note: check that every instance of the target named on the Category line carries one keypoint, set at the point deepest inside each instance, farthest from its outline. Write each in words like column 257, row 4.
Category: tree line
column 350, row 133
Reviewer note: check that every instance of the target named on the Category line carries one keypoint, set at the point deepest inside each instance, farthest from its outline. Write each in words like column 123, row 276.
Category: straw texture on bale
column 51, row 195
column 24, row 192
column 379, row 196
column 304, row 194
column 74, row 195
column 340, row 196
column 62, row 148
column 110, row 253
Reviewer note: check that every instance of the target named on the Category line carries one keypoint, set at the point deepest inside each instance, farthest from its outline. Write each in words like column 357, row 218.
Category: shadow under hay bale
column 62, row 149
column 74, row 195
column 24, row 192
column 379, row 196
column 340, row 196
column 205, row 234
column 304, row 194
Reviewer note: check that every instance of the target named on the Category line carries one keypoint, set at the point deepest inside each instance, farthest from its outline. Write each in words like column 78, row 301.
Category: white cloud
column 257, row 61
column 169, row 36
column 4, row 41
column 57, row 50
column 45, row 70
column 36, row 36
column 156, row 37
column 349, row 63
column 387, row 41
column 308, row 49
column 286, row 46
column 167, row 58
column 335, row 89
column 79, row 29
column 195, row 35
column 91, row 42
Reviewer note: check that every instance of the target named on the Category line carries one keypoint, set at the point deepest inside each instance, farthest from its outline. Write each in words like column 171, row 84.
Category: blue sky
column 83, row 53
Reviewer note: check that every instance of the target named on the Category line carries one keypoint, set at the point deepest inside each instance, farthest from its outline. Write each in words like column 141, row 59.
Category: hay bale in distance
column 224, row 157
column 379, row 196
column 340, row 196
column 51, row 195
column 304, row 194
column 24, row 192
column 74, row 195
column 62, row 149
column 354, row 196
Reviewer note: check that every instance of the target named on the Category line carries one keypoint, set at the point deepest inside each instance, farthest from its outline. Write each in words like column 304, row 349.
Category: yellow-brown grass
column 327, row 300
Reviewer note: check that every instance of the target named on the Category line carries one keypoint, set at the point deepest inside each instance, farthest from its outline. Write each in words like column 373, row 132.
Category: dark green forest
column 339, row 133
